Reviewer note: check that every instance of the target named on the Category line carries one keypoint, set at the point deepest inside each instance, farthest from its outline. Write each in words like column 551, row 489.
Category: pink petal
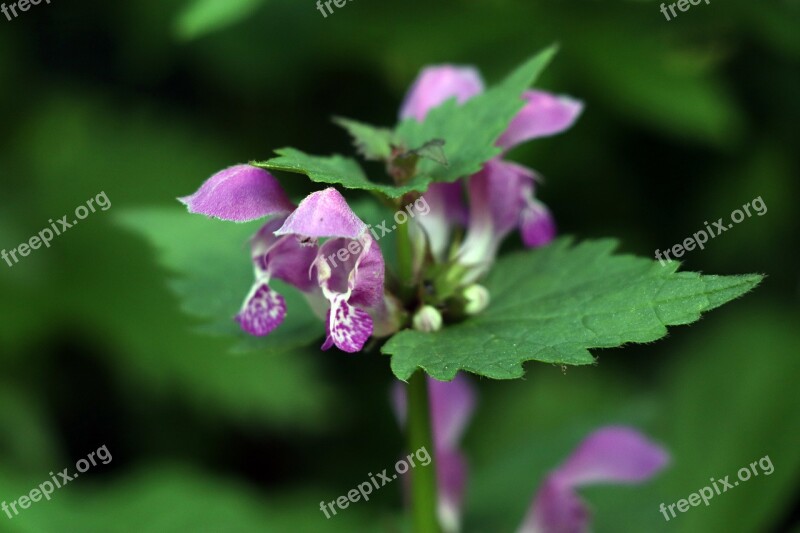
column 451, row 479
column 353, row 266
column 452, row 405
column 323, row 214
column 445, row 210
column 239, row 193
column 537, row 225
column 285, row 258
column 348, row 327
column 613, row 454
column 544, row 114
column 367, row 284
column 497, row 197
column 557, row 509
column 263, row 310
column 435, row 85
column 609, row 455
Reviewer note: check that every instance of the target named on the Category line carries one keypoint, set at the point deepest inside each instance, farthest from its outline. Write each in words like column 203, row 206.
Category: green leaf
column 212, row 273
column 336, row 170
column 729, row 392
column 215, row 273
column 168, row 498
column 205, row 16
column 433, row 150
column 372, row 143
column 471, row 130
column 555, row 303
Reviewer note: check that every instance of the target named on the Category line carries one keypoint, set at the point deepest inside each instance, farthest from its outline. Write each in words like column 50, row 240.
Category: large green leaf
column 215, row 273
column 555, row 303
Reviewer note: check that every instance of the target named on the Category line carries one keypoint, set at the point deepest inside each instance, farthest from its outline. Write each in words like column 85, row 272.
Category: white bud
column 477, row 299
column 427, row 319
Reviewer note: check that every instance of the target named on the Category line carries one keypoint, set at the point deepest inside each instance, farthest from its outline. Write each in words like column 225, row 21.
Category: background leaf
column 200, row 17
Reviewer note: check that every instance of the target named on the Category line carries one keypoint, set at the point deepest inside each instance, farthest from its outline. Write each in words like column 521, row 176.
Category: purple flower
column 502, row 194
column 287, row 248
column 352, row 285
column 452, row 404
column 609, row 455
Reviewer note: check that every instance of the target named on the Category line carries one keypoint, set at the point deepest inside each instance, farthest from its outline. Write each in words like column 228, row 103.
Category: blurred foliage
column 686, row 121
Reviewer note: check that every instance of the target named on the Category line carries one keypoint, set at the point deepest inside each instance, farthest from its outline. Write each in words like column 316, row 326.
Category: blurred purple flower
column 609, row 455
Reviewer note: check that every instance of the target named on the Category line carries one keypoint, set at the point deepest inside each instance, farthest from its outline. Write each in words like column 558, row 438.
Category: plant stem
column 404, row 258
column 423, row 478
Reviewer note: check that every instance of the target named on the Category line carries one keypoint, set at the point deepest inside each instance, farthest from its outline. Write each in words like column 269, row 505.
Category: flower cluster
column 447, row 252
column 353, row 299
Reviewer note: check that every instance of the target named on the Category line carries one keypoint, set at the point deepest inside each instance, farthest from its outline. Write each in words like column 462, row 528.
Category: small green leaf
column 205, row 16
column 472, row 129
column 374, row 144
column 555, row 303
column 433, row 150
column 336, row 170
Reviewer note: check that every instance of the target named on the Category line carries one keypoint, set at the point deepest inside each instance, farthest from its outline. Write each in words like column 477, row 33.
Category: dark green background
column 685, row 121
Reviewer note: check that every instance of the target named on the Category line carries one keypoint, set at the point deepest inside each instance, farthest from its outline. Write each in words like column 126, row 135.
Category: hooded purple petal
column 609, row 455
column 544, row 114
column 323, row 214
column 240, row 193
column 435, row 85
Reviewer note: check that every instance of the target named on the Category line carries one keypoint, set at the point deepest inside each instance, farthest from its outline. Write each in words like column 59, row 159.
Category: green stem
column 405, row 259
column 423, row 478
